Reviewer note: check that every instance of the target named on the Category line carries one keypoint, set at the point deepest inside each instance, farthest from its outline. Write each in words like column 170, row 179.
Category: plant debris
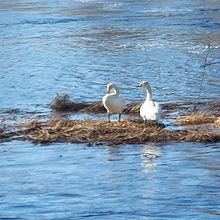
column 115, row 133
column 195, row 119
column 131, row 130
column 217, row 122
column 63, row 103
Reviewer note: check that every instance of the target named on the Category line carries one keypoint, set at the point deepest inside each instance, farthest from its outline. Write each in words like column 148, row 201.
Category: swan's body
column 149, row 110
column 112, row 101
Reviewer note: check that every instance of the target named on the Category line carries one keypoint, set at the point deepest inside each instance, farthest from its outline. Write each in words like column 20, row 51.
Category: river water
column 77, row 47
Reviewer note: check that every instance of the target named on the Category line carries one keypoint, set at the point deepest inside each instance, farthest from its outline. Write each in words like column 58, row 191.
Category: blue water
column 66, row 181
column 77, row 47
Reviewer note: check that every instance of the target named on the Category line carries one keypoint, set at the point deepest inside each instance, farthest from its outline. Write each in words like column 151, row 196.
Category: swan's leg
column 109, row 115
column 119, row 117
column 145, row 123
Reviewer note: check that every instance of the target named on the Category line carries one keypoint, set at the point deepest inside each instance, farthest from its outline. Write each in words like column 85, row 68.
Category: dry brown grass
column 63, row 103
column 97, row 132
column 3, row 136
column 94, row 108
column 7, row 136
column 195, row 119
column 217, row 122
column 125, row 132
column 132, row 108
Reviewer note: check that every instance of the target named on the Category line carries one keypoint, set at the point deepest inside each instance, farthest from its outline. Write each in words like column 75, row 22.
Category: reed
column 195, row 119
column 204, row 70
column 115, row 133
column 125, row 132
column 217, row 122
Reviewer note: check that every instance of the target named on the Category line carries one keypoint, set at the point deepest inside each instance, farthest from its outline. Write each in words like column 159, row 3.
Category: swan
column 113, row 102
column 149, row 110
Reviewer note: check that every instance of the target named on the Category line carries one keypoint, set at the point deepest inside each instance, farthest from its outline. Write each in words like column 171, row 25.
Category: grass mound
column 62, row 102
column 98, row 132
column 195, row 119
column 217, row 122
column 127, row 131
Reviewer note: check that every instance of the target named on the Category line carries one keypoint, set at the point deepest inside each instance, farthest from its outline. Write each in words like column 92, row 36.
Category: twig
column 204, row 70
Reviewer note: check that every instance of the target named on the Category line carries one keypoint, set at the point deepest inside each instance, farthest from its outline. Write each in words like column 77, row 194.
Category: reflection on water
column 77, row 47
column 66, row 181
column 150, row 154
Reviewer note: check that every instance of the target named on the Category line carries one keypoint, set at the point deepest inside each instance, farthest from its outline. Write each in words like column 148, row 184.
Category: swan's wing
column 150, row 111
column 122, row 101
column 158, row 110
column 114, row 104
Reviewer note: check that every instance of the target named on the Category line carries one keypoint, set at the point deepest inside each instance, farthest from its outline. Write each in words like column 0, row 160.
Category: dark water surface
column 77, row 47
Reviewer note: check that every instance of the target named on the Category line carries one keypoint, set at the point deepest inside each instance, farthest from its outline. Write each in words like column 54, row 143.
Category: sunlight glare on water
column 77, row 47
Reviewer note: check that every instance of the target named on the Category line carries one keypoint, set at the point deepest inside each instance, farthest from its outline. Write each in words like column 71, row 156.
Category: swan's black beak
column 138, row 86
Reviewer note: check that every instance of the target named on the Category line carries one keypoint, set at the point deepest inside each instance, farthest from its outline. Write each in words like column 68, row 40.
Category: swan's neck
column 149, row 93
column 116, row 91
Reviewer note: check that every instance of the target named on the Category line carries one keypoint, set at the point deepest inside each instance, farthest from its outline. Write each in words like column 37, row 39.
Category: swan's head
column 111, row 88
column 143, row 84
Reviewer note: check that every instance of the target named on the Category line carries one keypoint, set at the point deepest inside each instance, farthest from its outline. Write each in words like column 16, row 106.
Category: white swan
column 149, row 110
column 113, row 102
